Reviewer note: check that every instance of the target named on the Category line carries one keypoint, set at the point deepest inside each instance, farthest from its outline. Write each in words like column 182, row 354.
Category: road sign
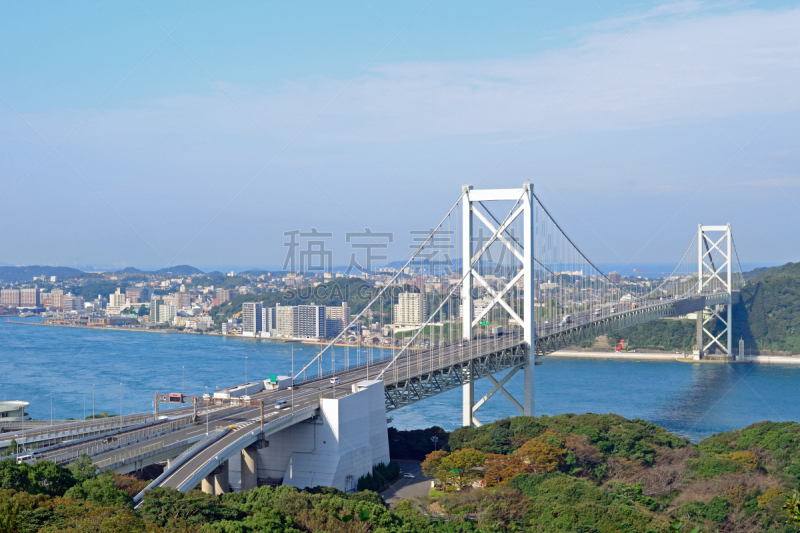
column 484, row 323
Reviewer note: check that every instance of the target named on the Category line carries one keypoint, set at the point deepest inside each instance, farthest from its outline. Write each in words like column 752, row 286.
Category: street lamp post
column 120, row 399
column 92, row 401
column 207, row 413
column 183, row 379
column 51, row 409
column 434, row 440
column 245, row 374
column 84, row 406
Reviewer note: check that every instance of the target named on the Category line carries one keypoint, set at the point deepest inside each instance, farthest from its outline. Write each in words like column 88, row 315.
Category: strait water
column 41, row 363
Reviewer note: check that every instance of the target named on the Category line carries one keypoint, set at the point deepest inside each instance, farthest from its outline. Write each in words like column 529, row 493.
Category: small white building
column 14, row 411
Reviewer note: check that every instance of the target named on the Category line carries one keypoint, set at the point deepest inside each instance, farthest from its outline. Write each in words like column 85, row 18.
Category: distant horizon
column 643, row 269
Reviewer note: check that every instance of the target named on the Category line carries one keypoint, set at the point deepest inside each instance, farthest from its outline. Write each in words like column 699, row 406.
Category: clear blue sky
column 198, row 132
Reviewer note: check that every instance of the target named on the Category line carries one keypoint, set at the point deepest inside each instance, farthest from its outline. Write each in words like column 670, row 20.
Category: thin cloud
column 731, row 64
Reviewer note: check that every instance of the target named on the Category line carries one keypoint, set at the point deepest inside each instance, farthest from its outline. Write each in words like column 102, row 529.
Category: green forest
column 768, row 317
column 564, row 474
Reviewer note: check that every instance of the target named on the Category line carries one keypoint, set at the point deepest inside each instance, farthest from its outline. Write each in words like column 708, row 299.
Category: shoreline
column 623, row 356
column 170, row 331
column 627, row 356
column 98, row 328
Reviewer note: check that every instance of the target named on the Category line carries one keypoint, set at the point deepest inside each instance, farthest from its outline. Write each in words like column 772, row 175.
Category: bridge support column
column 700, row 314
column 221, row 484
column 249, row 468
column 468, row 394
column 527, row 374
column 468, row 387
column 216, row 482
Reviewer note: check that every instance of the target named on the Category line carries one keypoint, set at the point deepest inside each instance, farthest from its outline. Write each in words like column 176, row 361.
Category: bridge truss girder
column 573, row 336
column 437, row 380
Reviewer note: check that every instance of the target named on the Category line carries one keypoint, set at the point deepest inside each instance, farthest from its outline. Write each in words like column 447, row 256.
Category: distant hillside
column 14, row 274
column 275, row 273
column 768, row 319
column 177, row 270
column 128, row 270
column 770, row 316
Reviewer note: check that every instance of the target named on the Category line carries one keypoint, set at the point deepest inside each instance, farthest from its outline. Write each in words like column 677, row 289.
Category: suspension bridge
column 496, row 285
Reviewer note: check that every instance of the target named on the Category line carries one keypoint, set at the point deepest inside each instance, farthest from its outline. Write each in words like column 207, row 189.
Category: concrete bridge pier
column 216, row 482
column 249, row 468
column 700, row 334
column 468, row 401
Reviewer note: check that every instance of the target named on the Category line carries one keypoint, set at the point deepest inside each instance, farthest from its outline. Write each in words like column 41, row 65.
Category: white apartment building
column 336, row 319
column 161, row 312
column 284, row 321
column 29, row 297
column 183, row 300
column 299, row 321
column 57, row 298
column 309, row 321
column 252, row 316
column 411, row 309
column 268, row 321
column 9, row 298
column 117, row 299
column 116, row 303
column 73, row 303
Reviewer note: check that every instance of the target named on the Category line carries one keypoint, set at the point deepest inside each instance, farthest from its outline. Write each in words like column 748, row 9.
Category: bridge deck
column 416, row 375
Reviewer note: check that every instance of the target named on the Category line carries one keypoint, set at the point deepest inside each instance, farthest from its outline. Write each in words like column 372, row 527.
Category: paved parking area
column 408, row 488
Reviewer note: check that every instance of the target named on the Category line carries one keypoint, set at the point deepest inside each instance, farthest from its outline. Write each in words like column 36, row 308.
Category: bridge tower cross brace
column 714, row 244
column 524, row 200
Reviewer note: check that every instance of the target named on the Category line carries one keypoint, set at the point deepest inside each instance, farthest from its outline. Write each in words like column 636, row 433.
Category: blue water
column 693, row 400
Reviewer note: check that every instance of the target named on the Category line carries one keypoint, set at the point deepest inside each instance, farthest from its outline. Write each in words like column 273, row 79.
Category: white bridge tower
column 523, row 202
column 715, row 272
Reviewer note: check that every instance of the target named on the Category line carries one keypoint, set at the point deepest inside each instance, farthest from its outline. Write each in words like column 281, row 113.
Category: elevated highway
column 523, row 291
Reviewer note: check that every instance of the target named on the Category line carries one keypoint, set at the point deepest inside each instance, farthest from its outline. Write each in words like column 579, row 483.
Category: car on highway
column 409, row 475
column 281, row 404
column 335, row 381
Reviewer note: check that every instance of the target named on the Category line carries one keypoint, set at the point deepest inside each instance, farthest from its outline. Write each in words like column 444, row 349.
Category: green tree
column 101, row 491
column 14, row 476
column 463, row 465
column 792, row 508
column 11, row 450
column 50, row 478
column 165, row 506
column 83, row 468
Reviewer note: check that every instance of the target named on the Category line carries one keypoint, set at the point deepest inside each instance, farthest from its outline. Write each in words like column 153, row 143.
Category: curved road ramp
column 325, row 441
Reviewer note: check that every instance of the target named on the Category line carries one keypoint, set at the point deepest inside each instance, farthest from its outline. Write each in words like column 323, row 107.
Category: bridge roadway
column 47, row 435
column 308, row 393
column 103, row 447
